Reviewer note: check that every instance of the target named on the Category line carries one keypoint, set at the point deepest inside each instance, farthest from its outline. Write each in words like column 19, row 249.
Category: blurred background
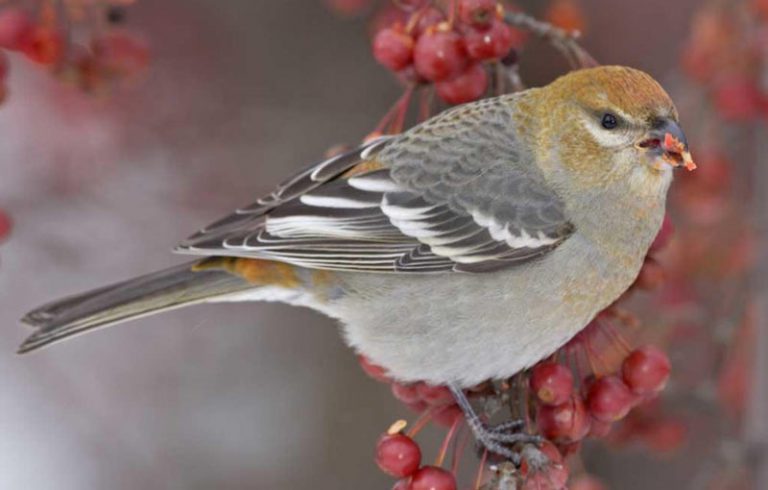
column 100, row 187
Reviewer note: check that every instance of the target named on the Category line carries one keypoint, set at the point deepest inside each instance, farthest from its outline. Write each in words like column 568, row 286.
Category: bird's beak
column 666, row 144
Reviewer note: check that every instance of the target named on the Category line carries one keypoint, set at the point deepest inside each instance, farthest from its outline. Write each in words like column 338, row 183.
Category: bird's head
column 612, row 127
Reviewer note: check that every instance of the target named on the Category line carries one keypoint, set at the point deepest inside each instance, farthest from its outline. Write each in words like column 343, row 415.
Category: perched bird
column 465, row 249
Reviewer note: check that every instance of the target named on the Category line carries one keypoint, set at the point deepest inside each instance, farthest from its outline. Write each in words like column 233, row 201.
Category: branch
column 566, row 42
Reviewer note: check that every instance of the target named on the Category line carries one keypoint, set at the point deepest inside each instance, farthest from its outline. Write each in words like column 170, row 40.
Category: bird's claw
column 497, row 439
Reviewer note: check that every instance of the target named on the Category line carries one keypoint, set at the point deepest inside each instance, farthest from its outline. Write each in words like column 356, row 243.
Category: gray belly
column 467, row 328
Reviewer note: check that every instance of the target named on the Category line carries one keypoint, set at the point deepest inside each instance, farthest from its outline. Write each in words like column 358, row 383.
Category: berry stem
column 402, row 110
column 480, row 471
column 447, row 442
column 420, row 423
column 395, row 112
column 426, row 98
column 462, row 439
column 615, row 337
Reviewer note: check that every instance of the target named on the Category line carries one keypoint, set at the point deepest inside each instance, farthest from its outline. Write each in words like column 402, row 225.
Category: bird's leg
column 494, row 439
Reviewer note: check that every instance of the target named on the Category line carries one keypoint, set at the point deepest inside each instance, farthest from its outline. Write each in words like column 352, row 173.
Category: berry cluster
column 5, row 225
column 453, row 50
column 726, row 54
column 110, row 56
column 566, row 416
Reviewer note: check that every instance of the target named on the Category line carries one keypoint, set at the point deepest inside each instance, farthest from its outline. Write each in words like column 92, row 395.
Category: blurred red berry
column 402, row 485
column 440, row 55
column 44, row 45
column 406, row 393
column 586, row 482
column 567, row 422
column 5, row 225
column 664, row 236
column 553, row 475
column 447, row 416
column 434, row 395
column 609, row 399
column 566, row 14
column 373, row 370
column 348, row 7
column 4, row 66
column 467, row 87
column 478, row 13
column 651, row 275
column 646, row 370
column 393, row 48
column 15, row 28
column 121, row 53
column 398, row 455
column 493, row 42
column 599, row 429
column 427, row 18
column 738, row 99
column 761, row 7
column 552, row 383
column 665, row 436
column 433, row 478
column 417, row 407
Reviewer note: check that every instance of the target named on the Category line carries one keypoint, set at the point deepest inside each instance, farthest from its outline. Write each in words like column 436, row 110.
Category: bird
column 465, row 249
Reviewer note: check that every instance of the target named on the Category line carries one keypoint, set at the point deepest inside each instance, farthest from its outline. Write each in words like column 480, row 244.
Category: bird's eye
column 609, row 121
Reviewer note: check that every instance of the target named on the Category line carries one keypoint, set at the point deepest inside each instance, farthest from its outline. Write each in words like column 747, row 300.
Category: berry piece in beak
column 676, row 153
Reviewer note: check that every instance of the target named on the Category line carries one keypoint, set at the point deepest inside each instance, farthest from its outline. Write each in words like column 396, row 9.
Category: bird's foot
column 496, row 439
column 499, row 439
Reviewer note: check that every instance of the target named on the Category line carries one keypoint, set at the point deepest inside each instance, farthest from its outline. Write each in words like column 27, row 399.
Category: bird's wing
column 476, row 206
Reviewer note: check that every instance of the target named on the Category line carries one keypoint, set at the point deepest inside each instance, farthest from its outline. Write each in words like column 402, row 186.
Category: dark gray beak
column 668, row 143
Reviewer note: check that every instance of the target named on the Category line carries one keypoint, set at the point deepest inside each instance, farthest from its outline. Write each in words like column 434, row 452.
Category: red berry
column 121, row 53
column 566, row 422
column 417, row 407
column 44, row 45
column 348, row 7
column 434, row 395
column 447, row 416
column 15, row 27
column 665, row 436
column 587, row 482
column 553, row 475
column 552, row 383
column 600, row 429
column 609, row 399
column 552, row 478
column 427, row 18
column 738, row 98
column 406, row 393
column 433, row 478
column 439, row 55
column 398, row 455
column 5, row 225
column 393, row 48
column 402, row 485
column 467, row 87
column 646, row 370
column 4, row 66
column 664, row 235
column 493, row 42
column 477, row 13
column 373, row 370
column 411, row 5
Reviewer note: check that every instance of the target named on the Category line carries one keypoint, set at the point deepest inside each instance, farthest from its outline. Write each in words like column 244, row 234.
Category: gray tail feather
column 145, row 295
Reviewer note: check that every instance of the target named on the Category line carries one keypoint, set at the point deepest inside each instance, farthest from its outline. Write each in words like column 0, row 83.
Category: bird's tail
column 165, row 290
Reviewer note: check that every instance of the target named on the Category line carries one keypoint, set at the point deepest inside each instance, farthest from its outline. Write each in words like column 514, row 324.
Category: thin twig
column 566, row 42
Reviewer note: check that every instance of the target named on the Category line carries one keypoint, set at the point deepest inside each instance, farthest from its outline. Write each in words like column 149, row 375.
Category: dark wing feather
column 475, row 207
